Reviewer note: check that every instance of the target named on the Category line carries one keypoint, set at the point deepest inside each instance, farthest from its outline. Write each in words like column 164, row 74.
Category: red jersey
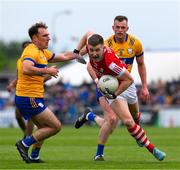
column 109, row 65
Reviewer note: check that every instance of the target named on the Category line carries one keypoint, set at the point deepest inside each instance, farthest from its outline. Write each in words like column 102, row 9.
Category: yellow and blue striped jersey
column 32, row 86
column 127, row 50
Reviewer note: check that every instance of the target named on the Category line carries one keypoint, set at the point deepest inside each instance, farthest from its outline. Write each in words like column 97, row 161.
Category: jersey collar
column 126, row 38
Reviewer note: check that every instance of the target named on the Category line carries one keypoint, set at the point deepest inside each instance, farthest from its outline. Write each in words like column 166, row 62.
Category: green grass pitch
column 74, row 149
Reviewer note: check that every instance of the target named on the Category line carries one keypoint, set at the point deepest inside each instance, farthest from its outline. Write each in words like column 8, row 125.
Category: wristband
column 76, row 51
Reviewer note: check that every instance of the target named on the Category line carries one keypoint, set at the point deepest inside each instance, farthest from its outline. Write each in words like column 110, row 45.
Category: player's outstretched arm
column 144, row 94
column 11, row 85
column 63, row 57
column 82, row 43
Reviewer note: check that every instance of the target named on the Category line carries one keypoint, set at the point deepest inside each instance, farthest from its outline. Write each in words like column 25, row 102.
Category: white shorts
column 129, row 95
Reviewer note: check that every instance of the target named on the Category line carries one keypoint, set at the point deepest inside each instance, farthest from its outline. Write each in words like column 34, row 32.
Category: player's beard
column 97, row 58
column 120, row 37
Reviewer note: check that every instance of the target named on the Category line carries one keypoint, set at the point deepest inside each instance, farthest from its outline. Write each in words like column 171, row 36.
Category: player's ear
column 113, row 27
column 34, row 37
column 127, row 28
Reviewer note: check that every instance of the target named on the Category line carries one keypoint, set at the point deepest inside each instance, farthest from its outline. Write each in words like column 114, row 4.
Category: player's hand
column 78, row 57
column 106, row 94
column 47, row 77
column 109, row 95
column 96, row 81
column 10, row 88
column 81, row 59
column 144, row 94
column 53, row 71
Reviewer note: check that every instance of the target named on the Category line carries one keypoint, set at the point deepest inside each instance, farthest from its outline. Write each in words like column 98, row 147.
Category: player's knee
column 57, row 127
column 113, row 121
column 128, row 122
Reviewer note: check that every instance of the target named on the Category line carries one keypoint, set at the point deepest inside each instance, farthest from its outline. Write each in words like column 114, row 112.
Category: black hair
column 120, row 18
column 33, row 30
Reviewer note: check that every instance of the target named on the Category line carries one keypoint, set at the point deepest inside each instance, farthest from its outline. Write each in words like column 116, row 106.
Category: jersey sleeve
column 115, row 66
column 106, row 43
column 109, row 41
column 139, row 48
column 49, row 55
column 30, row 53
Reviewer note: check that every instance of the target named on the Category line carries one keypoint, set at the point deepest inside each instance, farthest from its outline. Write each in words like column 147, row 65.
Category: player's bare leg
column 20, row 120
column 26, row 128
column 120, row 107
column 48, row 125
column 106, row 124
column 134, row 110
column 29, row 128
column 110, row 122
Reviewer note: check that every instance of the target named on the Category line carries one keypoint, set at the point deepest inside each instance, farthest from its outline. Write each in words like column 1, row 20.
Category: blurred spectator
column 67, row 101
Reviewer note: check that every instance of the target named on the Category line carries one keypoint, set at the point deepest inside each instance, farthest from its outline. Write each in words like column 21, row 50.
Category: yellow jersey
column 32, row 86
column 127, row 50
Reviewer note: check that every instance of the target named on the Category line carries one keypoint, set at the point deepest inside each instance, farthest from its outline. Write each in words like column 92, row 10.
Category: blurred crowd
column 69, row 101
column 163, row 93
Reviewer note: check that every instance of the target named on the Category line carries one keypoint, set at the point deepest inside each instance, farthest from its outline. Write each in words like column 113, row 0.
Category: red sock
column 139, row 134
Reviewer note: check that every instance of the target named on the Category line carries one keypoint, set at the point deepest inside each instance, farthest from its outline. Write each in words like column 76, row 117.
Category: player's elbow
column 25, row 71
column 89, row 33
column 130, row 81
column 56, row 128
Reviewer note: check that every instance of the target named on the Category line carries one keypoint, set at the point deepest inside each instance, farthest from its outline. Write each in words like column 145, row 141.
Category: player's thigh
column 46, row 118
column 17, row 112
column 133, row 108
column 120, row 107
column 107, row 110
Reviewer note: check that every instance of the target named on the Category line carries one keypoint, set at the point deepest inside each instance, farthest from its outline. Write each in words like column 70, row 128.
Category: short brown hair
column 121, row 18
column 33, row 30
column 25, row 44
column 95, row 39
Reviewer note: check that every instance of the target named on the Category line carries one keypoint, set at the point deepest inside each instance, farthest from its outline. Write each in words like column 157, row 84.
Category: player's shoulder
column 133, row 38
column 110, row 38
column 108, row 50
column 30, row 51
column 47, row 51
column 133, row 41
column 30, row 47
column 109, row 41
column 109, row 54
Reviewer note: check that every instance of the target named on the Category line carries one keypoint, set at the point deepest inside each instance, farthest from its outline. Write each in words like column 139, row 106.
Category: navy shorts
column 29, row 106
column 98, row 94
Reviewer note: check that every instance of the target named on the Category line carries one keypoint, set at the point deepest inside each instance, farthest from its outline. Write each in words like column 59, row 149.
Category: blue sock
column 28, row 141
column 35, row 153
column 100, row 149
column 91, row 116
